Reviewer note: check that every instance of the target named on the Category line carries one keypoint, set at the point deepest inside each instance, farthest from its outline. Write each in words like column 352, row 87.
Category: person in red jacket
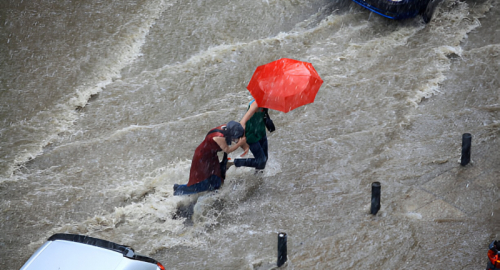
column 206, row 171
column 493, row 257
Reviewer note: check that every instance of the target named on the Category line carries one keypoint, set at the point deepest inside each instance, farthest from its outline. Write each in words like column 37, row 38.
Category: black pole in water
column 466, row 145
column 375, row 198
column 282, row 256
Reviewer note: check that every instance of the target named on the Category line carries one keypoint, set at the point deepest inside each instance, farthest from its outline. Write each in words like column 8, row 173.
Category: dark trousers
column 259, row 151
column 211, row 183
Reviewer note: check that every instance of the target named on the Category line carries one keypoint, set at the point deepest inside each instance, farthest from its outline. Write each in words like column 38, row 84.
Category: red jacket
column 494, row 259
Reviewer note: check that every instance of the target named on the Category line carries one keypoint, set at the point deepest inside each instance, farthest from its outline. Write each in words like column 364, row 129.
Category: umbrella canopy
column 284, row 84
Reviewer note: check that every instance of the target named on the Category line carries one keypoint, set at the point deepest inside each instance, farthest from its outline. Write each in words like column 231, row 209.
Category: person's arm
column 245, row 148
column 221, row 141
column 251, row 111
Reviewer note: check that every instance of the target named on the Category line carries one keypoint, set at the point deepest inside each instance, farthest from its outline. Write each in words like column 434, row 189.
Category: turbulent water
column 102, row 104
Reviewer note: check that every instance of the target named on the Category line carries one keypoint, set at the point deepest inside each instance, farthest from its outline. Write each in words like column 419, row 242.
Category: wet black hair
column 234, row 130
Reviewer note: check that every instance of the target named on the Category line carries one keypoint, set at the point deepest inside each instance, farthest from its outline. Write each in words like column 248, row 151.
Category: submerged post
column 282, row 256
column 466, row 145
column 375, row 198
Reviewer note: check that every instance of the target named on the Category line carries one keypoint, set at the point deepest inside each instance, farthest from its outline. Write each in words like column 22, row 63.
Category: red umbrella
column 284, row 84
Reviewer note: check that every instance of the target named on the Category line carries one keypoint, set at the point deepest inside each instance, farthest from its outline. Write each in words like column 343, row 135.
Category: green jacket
column 255, row 128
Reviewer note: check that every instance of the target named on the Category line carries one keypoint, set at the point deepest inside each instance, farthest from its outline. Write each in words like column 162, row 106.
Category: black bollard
column 282, row 256
column 375, row 198
column 466, row 145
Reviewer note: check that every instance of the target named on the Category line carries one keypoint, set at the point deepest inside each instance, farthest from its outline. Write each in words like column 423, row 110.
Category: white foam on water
column 153, row 214
column 153, row 210
column 414, row 215
column 63, row 116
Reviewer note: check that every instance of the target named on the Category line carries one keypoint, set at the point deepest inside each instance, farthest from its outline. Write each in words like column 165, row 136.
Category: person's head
column 235, row 131
column 494, row 245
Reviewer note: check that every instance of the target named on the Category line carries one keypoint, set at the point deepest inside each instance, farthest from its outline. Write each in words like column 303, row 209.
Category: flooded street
column 102, row 104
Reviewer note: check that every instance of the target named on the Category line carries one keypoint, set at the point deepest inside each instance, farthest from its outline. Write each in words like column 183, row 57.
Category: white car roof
column 87, row 254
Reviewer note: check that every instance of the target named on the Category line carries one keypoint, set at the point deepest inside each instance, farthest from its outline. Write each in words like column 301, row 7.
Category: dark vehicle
column 401, row 9
column 80, row 252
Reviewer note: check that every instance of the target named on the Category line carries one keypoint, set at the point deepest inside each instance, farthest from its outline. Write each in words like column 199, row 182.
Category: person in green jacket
column 256, row 138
